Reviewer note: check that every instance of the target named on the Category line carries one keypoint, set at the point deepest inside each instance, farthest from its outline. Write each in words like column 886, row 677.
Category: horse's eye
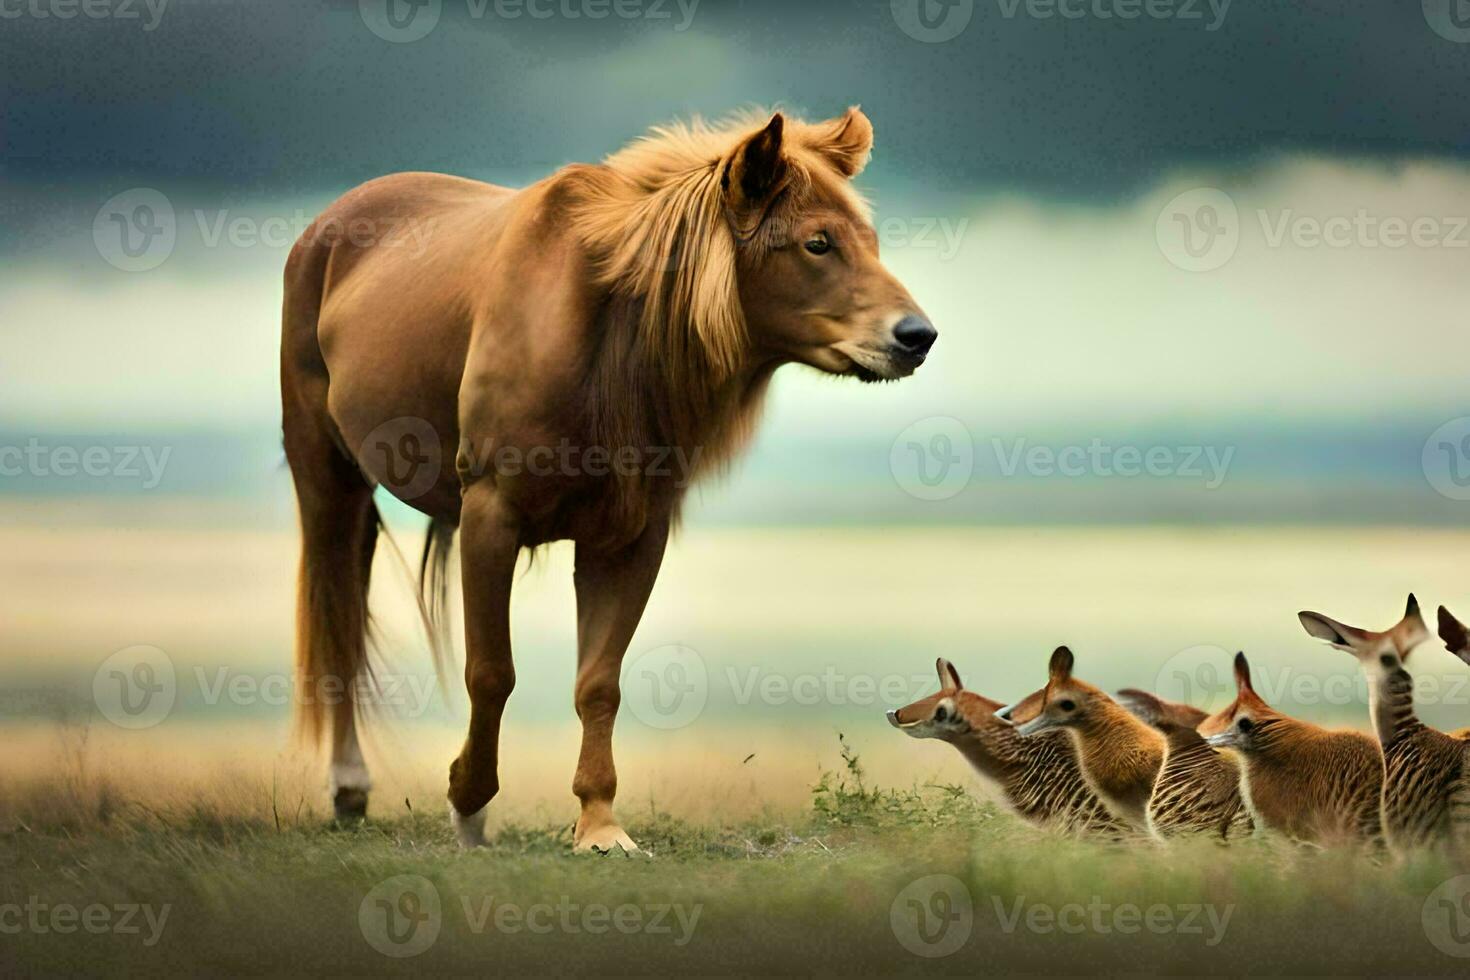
column 1067, row 705
column 818, row 244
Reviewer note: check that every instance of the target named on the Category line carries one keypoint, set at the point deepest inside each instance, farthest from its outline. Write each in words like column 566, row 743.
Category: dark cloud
column 302, row 98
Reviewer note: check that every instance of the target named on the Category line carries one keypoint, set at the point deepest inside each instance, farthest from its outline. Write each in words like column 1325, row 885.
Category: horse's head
column 811, row 285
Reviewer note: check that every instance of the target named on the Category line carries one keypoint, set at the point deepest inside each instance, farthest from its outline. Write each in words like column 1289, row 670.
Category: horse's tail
column 332, row 614
column 434, row 594
column 333, row 621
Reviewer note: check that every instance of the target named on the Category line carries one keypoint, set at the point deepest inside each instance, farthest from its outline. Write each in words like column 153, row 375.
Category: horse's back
column 377, row 316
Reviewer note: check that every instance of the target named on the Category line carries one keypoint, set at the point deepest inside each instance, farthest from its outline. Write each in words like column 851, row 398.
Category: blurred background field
column 791, row 636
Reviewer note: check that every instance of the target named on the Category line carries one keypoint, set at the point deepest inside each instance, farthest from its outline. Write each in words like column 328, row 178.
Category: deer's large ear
column 949, row 678
column 1456, row 637
column 755, row 174
column 1243, row 674
column 1060, row 668
column 1340, row 635
column 846, row 141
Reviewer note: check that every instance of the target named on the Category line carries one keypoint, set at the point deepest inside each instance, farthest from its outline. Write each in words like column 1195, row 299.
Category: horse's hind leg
column 339, row 531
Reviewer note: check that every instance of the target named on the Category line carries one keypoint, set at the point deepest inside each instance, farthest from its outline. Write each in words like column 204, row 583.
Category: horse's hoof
column 349, row 805
column 469, row 829
column 610, row 839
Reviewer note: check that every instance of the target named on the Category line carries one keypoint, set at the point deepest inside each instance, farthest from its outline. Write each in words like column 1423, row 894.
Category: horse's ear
column 1060, row 668
column 949, row 678
column 754, row 174
column 846, row 141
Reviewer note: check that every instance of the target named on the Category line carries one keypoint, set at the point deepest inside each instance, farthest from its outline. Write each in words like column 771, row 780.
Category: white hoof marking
column 469, row 829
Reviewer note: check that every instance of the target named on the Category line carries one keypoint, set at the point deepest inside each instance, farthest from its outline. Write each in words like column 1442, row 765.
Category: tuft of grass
column 842, row 798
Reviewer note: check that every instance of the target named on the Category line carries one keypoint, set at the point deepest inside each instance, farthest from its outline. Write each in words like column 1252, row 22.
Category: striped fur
column 1037, row 778
column 1426, row 785
column 1198, row 791
column 1198, row 788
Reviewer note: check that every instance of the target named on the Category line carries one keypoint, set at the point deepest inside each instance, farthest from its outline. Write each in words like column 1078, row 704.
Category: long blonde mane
column 655, row 220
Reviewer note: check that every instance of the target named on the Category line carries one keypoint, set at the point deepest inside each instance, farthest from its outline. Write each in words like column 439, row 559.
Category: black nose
column 915, row 334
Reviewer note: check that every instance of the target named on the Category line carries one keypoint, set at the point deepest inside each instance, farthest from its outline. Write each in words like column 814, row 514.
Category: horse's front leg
column 489, row 546
column 612, row 589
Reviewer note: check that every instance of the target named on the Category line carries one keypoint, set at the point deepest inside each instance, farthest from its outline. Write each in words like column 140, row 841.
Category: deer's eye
column 1067, row 705
column 818, row 244
column 940, row 714
column 1245, row 724
column 1388, row 660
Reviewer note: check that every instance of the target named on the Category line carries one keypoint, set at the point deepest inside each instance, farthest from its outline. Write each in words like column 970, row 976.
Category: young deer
column 1198, row 787
column 1299, row 779
column 1426, row 779
column 1120, row 755
column 1037, row 778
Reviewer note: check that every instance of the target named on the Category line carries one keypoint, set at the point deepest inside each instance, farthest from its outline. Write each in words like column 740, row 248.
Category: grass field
column 232, row 876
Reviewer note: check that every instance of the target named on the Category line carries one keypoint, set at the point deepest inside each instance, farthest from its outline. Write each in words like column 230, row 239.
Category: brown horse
column 559, row 344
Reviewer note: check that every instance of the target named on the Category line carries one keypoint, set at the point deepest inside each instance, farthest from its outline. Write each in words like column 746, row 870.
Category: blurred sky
column 1243, row 230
